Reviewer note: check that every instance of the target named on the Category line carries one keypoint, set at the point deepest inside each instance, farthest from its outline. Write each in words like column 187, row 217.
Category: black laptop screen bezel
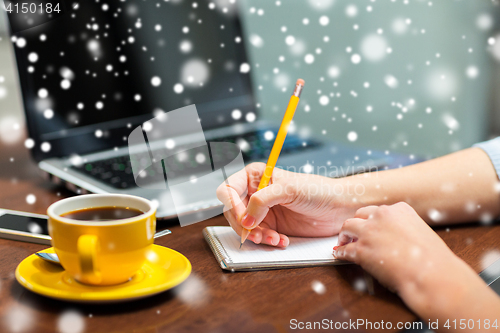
column 86, row 143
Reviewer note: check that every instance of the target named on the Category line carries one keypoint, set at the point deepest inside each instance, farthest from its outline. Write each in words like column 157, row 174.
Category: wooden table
column 211, row 300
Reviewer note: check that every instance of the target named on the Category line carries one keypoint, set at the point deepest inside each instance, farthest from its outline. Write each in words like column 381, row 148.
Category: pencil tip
column 241, row 244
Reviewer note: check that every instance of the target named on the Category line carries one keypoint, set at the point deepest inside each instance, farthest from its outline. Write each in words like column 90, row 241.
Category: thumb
column 261, row 201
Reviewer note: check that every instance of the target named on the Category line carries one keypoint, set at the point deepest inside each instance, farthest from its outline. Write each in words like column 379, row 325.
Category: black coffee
column 102, row 214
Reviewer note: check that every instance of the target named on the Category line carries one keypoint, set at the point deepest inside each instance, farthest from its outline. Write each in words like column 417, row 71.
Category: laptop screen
column 100, row 69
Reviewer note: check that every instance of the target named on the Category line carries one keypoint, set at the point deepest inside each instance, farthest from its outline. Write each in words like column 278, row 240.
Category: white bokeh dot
column 391, row 81
column 236, row 114
column 147, row 126
column 250, row 117
column 333, row 72
column 309, row 58
column 33, row 57
column 485, row 21
column 324, row 20
column 170, row 144
column 324, row 100
column 352, row 136
column 318, row 287
column 65, row 84
column 48, row 114
column 70, row 321
column 256, row 40
column 30, row 199
column 356, row 58
column 43, row 93
column 351, row 10
column 244, row 68
column 472, row 72
column 155, row 81
column 374, row 47
column 200, row 158
column 269, row 135
column 45, row 147
column 185, row 46
column 21, row 42
column 308, row 168
column 34, row 228
column 321, row 5
column 399, row 26
column 178, row 88
column 194, row 73
column 29, row 143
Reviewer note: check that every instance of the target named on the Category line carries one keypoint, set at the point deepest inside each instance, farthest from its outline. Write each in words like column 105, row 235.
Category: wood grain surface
column 211, row 300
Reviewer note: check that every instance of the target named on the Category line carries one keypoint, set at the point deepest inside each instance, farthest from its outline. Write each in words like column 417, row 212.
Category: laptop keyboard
column 117, row 171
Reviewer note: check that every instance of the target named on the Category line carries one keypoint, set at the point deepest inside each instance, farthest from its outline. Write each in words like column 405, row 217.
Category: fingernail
column 269, row 239
column 335, row 248
column 248, row 221
column 282, row 242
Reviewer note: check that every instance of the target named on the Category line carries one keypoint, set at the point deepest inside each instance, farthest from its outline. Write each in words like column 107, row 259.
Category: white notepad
column 301, row 252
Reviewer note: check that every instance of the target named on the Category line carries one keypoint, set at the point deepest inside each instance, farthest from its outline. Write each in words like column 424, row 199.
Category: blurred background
column 411, row 76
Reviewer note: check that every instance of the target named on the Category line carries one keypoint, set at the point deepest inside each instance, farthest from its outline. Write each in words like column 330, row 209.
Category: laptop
column 92, row 75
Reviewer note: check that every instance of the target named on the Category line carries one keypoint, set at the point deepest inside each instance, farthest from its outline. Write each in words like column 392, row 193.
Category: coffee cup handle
column 88, row 246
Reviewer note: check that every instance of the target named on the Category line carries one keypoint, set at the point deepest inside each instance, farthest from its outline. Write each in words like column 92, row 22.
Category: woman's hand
column 392, row 243
column 292, row 205
column 401, row 251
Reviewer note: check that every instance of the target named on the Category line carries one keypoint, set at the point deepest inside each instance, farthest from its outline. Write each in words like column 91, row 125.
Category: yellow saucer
column 169, row 269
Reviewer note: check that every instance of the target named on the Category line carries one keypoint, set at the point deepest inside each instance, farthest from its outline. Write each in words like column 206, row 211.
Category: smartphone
column 21, row 226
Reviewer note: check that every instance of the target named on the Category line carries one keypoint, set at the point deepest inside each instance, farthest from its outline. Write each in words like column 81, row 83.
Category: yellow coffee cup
column 102, row 252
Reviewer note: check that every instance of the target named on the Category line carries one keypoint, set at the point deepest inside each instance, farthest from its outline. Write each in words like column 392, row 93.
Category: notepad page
column 300, row 249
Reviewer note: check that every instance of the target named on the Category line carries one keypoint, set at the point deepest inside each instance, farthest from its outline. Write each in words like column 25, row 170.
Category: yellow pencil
column 278, row 144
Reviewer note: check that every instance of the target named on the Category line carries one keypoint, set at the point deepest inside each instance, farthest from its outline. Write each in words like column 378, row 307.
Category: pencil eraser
column 301, row 82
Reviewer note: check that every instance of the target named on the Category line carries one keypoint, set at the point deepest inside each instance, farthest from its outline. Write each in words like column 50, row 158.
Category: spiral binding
column 216, row 246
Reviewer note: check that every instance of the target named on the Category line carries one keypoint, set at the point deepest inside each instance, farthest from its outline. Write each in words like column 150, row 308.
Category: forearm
column 459, row 187
column 452, row 293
